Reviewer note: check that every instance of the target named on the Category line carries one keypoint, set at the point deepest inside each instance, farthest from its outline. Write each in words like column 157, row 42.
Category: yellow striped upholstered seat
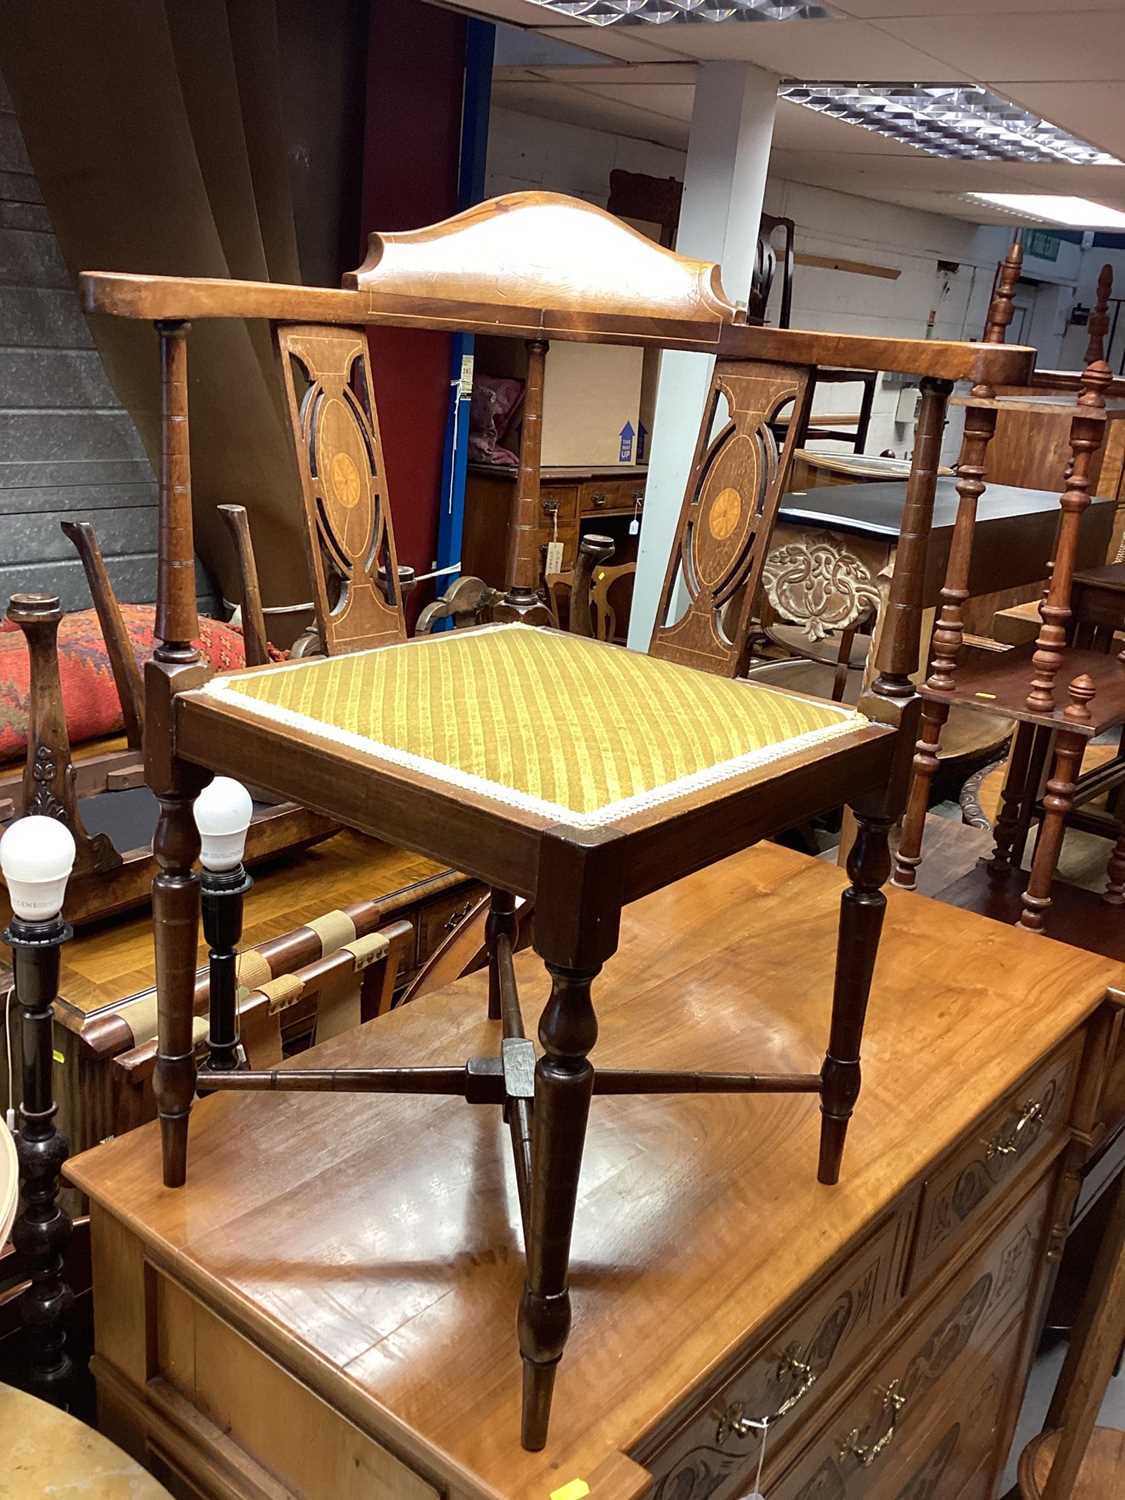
column 549, row 723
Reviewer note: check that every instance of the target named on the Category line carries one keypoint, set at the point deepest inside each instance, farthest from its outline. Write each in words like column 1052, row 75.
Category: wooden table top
column 876, row 509
column 373, row 1243
column 112, row 961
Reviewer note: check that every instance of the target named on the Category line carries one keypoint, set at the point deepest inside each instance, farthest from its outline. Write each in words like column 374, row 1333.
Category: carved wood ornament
column 737, row 479
column 817, row 582
column 340, row 459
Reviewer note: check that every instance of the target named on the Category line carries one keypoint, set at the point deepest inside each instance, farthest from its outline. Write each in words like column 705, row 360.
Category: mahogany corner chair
column 555, row 768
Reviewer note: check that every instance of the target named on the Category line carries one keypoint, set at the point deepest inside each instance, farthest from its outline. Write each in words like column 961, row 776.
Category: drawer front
column 788, row 1375
column 438, row 918
column 885, row 1427
column 952, row 1458
column 558, row 502
column 598, row 495
column 1022, row 1129
column 210, row 1383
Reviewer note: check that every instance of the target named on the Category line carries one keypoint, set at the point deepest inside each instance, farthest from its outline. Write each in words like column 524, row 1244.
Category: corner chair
column 553, row 767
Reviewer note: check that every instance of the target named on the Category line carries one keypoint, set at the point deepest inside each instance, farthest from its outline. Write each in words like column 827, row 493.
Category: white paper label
column 554, row 557
column 634, row 527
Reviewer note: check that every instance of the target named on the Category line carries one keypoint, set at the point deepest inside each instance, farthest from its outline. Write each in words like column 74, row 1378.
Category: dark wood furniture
column 1025, row 684
column 1031, row 437
column 252, row 1349
column 101, row 797
column 300, row 910
column 572, row 502
column 1073, row 1458
column 577, row 839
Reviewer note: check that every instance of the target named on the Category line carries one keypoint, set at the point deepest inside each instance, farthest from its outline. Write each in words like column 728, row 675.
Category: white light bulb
column 222, row 814
column 37, row 856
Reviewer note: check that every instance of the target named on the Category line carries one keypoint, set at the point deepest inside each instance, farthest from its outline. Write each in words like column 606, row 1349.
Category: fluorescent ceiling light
column 663, row 12
column 952, row 120
column 1077, row 213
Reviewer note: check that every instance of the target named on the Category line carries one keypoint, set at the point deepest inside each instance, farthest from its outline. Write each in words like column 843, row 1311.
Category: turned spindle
column 1087, row 429
column 37, row 855
column 1081, row 693
column 222, row 814
column 1000, row 309
column 1098, row 324
column 522, row 600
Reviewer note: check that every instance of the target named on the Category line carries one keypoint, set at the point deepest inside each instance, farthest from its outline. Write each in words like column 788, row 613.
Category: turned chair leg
column 1013, row 795
column 501, row 921
column 861, row 922
column 577, row 925
column 564, row 1083
column 175, row 912
column 1057, row 803
column 908, row 856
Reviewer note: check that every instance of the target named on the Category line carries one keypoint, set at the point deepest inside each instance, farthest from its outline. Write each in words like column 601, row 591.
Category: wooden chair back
column 349, row 535
column 767, row 259
column 737, row 479
column 532, row 266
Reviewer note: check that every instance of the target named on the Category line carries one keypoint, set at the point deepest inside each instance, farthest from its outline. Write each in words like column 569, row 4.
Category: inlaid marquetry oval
column 723, row 516
column 727, row 508
column 345, row 478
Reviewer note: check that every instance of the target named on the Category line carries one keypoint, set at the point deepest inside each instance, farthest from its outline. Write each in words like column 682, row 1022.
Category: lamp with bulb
column 36, row 857
column 222, row 814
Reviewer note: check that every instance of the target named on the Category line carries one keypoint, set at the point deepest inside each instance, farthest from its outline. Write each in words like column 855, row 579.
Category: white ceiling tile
column 1051, row 48
column 869, row 10
column 797, row 129
column 812, row 49
column 633, row 43
column 672, row 99
column 579, row 107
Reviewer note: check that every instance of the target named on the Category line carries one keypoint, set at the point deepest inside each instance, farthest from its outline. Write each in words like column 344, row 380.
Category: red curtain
column 415, row 72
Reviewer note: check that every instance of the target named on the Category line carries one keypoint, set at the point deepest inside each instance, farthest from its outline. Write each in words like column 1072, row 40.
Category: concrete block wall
column 67, row 447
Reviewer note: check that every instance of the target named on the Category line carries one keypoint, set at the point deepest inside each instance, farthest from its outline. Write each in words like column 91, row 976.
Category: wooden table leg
column 1014, row 794
column 908, row 856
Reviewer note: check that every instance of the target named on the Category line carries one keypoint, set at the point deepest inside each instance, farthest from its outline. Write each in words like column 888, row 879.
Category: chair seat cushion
column 554, row 724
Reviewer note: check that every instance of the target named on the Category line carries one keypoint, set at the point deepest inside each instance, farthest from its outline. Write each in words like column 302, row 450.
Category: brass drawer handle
column 455, row 918
column 550, row 507
column 733, row 1421
column 893, row 1401
column 600, row 499
column 1030, row 1115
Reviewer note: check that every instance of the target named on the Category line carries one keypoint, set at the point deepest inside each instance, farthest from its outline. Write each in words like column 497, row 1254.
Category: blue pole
column 480, row 42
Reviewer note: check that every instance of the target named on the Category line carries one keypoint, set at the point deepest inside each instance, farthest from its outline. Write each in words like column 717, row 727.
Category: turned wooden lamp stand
column 688, row 764
column 37, row 856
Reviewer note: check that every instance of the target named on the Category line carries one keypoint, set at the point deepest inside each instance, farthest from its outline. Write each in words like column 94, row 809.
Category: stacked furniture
column 486, row 748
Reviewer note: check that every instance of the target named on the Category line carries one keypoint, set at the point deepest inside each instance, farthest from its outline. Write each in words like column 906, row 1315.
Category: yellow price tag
column 58, row 1056
column 577, row 1489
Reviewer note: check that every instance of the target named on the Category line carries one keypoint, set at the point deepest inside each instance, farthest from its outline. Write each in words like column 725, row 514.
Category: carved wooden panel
column 1019, row 1131
column 789, row 1376
column 817, row 581
column 340, row 457
column 722, row 541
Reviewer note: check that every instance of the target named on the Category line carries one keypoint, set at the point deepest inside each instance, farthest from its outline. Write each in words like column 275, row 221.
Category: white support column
column 724, row 185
